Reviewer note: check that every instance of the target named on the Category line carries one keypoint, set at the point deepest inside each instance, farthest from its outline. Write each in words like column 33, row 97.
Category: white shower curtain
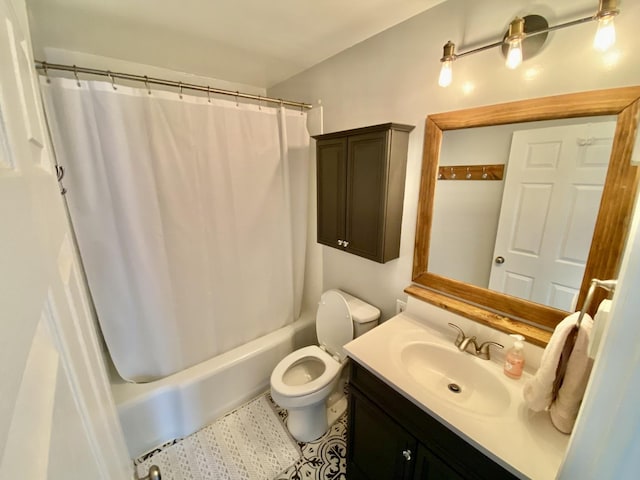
column 190, row 217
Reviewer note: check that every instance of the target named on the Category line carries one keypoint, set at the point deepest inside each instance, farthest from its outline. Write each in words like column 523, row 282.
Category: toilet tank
column 364, row 315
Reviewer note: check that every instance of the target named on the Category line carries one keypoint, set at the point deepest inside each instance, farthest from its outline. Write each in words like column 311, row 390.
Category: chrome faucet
column 462, row 342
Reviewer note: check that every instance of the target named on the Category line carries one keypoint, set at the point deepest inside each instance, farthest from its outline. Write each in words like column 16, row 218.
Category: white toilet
column 310, row 381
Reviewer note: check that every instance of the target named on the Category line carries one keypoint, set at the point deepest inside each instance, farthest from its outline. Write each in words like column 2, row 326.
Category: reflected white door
column 57, row 417
column 553, row 187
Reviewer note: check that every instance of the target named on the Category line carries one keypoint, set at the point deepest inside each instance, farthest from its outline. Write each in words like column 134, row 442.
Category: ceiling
column 254, row 42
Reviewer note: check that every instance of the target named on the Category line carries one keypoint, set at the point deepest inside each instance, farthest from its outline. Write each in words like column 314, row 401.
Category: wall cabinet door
column 379, row 449
column 361, row 175
column 332, row 190
column 366, row 192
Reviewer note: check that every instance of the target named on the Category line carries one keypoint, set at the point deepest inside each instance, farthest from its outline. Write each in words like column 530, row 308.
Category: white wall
column 393, row 77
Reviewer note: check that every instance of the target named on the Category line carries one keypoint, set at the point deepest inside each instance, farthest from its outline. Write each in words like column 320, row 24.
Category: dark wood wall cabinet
column 361, row 175
column 389, row 437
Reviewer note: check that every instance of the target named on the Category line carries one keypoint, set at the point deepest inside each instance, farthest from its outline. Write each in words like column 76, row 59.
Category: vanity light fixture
column 514, row 39
column 606, row 32
column 526, row 36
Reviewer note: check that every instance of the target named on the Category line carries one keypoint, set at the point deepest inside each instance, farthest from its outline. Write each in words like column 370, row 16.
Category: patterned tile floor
column 323, row 459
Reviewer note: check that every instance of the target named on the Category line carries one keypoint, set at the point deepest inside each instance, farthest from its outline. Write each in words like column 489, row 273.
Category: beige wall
column 393, row 77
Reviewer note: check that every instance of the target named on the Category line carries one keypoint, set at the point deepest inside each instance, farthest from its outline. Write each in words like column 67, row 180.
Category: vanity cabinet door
column 378, row 448
column 441, row 454
column 431, row 467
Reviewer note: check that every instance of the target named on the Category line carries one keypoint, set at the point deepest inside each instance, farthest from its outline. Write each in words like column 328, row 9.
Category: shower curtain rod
column 45, row 66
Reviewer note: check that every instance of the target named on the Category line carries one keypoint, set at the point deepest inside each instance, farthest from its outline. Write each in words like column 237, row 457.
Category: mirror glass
column 457, row 244
column 544, row 209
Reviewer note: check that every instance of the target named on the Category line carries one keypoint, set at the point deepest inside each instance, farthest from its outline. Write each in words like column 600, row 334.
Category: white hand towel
column 600, row 324
column 564, row 409
column 539, row 389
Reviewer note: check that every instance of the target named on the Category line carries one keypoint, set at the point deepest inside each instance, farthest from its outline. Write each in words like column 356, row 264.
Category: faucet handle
column 484, row 351
column 461, row 336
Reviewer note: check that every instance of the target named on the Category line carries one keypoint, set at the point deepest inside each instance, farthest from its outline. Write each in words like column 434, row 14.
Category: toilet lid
column 333, row 323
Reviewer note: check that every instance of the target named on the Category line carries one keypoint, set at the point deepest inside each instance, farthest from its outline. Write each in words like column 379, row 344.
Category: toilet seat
column 332, row 368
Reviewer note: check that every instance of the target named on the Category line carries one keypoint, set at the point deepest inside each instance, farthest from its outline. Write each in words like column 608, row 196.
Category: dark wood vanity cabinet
column 390, row 438
column 361, row 176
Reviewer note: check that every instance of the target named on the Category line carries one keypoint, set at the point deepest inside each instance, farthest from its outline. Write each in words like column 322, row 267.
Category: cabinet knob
column 345, row 243
column 407, row 455
column 340, row 242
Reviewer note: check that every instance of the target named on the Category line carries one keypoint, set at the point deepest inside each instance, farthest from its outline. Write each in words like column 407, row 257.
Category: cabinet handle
column 407, row 455
column 340, row 242
column 345, row 243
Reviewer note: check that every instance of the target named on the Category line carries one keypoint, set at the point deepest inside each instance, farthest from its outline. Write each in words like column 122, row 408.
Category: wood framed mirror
column 505, row 312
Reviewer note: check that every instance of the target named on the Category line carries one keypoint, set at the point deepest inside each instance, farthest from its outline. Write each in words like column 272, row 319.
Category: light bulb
column 446, row 74
column 514, row 55
column 605, row 35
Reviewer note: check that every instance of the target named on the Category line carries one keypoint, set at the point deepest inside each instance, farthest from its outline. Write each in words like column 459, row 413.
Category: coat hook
column 59, row 177
column 468, row 175
column 59, row 172
column 208, row 94
column 453, row 174
column 113, row 82
column 440, row 175
column 146, row 82
column 484, row 174
column 46, row 72
column 75, row 74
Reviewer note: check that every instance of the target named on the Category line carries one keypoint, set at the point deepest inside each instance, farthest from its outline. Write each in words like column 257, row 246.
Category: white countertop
column 522, row 441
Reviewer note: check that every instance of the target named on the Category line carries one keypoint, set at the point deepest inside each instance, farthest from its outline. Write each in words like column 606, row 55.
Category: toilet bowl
column 307, row 378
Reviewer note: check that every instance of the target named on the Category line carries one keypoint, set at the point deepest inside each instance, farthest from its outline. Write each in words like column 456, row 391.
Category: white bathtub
column 156, row 412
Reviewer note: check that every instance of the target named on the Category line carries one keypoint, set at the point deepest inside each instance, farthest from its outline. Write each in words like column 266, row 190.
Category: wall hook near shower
column 60, row 176
column 472, row 172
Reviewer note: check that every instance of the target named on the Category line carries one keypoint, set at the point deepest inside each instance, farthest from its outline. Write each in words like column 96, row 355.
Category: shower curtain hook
column 46, row 72
column 180, row 87
column 237, row 93
column 146, row 82
column 301, row 112
column 208, row 94
column 75, row 74
column 113, row 82
column 259, row 102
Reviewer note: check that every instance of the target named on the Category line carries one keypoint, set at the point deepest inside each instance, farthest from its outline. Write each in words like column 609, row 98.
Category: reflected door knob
column 407, row 455
column 499, row 260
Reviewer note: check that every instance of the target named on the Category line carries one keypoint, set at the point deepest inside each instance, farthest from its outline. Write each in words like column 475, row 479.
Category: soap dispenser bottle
column 514, row 361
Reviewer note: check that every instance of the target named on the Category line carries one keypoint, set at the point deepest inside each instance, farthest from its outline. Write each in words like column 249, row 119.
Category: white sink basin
column 456, row 377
